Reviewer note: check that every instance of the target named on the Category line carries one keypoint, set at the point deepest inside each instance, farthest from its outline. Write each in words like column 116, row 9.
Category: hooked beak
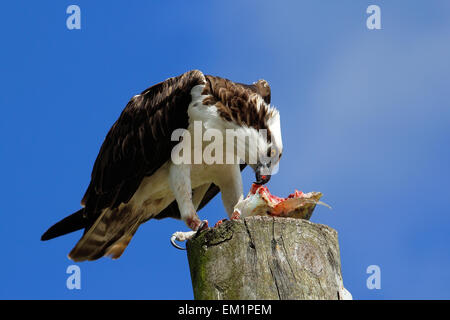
column 261, row 178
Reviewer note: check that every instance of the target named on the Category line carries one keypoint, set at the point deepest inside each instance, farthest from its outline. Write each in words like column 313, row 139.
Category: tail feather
column 108, row 236
column 115, row 251
column 74, row 222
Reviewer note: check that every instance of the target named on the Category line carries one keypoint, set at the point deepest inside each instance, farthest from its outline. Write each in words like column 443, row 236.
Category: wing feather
column 139, row 142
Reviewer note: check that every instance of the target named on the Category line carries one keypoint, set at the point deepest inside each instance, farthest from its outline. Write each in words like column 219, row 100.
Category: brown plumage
column 137, row 145
column 238, row 102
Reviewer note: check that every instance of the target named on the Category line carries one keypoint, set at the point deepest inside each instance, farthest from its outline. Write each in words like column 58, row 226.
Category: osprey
column 134, row 178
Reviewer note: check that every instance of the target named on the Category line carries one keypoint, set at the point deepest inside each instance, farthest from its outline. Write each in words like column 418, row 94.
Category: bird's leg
column 180, row 184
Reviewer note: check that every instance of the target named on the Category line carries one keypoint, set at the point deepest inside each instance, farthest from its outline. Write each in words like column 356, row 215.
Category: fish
column 260, row 202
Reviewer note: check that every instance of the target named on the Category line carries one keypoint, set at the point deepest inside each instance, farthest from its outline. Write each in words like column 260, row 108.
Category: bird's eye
column 273, row 153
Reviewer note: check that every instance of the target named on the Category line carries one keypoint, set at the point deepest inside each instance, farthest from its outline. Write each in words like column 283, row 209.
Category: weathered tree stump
column 266, row 258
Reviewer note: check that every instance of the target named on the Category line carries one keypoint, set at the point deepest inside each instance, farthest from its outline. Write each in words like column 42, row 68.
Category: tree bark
column 262, row 257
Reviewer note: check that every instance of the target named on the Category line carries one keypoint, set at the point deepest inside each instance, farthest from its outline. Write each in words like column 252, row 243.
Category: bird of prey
column 134, row 178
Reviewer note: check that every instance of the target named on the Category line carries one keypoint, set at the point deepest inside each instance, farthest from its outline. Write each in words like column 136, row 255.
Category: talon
column 181, row 236
column 203, row 226
column 172, row 241
column 218, row 223
column 236, row 215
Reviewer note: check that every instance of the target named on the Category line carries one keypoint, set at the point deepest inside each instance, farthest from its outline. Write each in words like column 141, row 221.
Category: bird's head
column 270, row 149
column 255, row 122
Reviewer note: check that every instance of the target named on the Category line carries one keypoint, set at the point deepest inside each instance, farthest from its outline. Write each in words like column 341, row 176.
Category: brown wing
column 139, row 142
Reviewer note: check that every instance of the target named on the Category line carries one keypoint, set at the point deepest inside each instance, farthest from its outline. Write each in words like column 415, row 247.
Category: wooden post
column 263, row 257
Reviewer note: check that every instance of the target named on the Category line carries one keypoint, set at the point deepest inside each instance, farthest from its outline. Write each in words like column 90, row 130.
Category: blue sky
column 365, row 119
